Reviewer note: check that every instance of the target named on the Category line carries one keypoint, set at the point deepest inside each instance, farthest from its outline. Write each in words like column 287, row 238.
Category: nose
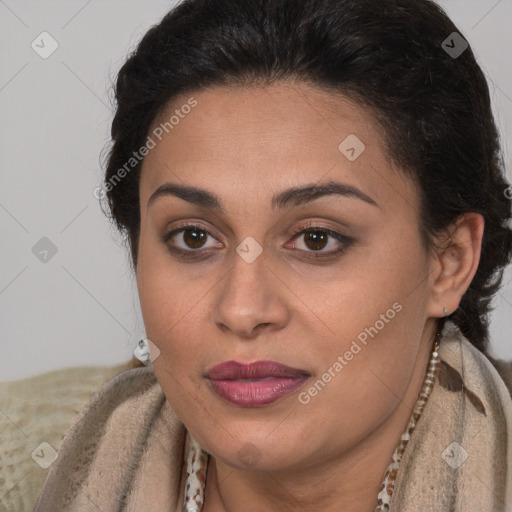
column 251, row 300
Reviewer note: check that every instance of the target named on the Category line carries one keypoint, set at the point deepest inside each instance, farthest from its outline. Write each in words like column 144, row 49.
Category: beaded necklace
column 197, row 459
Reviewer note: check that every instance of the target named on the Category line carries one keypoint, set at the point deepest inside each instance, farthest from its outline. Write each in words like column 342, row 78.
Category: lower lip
column 256, row 393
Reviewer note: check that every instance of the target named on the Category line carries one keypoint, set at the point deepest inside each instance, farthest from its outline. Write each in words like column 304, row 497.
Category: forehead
column 261, row 139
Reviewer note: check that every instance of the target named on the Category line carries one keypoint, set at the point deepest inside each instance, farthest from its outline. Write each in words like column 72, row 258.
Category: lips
column 254, row 384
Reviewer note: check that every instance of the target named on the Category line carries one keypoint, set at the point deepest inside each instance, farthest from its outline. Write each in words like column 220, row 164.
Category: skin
column 246, row 144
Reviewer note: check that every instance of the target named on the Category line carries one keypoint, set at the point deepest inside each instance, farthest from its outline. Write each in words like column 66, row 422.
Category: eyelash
column 193, row 253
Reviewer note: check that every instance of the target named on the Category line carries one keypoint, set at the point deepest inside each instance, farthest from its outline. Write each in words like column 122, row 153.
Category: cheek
column 170, row 313
column 368, row 369
column 162, row 302
column 377, row 280
column 174, row 307
column 375, row 315
column 162, row 294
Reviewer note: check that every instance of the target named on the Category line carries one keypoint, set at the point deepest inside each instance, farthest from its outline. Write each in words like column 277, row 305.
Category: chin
column 257, row 450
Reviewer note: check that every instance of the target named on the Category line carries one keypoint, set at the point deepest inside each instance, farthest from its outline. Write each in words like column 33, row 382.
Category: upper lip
column 233, row 370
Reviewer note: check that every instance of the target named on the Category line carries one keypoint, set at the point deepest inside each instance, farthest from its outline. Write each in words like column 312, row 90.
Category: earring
column 445, row 312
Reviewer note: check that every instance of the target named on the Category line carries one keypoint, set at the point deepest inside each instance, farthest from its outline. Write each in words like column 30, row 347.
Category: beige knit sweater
column 125, row 450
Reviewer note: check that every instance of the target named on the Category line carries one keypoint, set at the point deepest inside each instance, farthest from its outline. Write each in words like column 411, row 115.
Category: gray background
column 80, row 307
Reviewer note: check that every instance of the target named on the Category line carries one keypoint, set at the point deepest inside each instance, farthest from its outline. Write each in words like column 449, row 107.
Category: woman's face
column 332, row 282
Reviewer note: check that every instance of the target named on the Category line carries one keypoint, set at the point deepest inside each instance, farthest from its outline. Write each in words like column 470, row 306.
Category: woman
column 314, row 198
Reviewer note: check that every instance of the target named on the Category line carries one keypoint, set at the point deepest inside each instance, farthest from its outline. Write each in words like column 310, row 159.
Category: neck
column 351, row 485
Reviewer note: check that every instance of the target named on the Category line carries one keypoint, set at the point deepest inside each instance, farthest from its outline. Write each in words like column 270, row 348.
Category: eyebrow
column 290, row 197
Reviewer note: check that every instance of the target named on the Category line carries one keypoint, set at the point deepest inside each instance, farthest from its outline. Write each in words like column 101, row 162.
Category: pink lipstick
column 254, row 384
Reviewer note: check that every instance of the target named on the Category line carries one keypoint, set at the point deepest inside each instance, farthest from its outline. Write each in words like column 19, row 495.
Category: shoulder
column 130, row 385
column 488, row 379
column 104, row 450
column 504, row 368
column 125, row 403
column 133, row 390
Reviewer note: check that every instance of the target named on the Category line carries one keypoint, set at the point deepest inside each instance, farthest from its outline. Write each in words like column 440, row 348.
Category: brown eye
column 190, row 240
column 313, row 240
column 194, row 238
column 316, row 240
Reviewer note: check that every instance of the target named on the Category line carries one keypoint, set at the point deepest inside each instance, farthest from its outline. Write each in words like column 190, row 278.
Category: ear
column 454, row 263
